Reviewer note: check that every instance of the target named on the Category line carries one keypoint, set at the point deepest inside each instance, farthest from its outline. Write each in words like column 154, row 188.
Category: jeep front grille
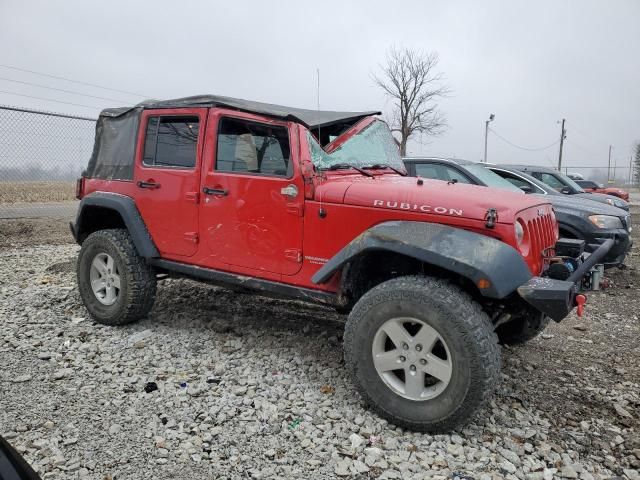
column 542, row 233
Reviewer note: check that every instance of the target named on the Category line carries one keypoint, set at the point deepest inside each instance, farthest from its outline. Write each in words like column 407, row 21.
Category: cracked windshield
column 374, row 145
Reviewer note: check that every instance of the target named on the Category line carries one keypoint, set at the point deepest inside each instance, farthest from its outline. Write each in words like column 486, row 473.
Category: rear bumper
column 556, row 298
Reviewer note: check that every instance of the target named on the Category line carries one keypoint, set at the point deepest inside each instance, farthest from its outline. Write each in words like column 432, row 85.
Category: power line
column 63, row 90
column 73, row 81
column 50, row 100
column 521, row 147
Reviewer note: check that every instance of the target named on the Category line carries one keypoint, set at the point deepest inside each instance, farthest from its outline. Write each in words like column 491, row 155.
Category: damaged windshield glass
column 374, row 145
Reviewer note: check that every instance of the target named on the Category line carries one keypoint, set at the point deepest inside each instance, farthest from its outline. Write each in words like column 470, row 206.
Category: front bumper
column 621, row 246
column 556, row 298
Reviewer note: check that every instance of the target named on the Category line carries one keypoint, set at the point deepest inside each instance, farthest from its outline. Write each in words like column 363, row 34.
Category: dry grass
column 31, row 192
column 33, row 231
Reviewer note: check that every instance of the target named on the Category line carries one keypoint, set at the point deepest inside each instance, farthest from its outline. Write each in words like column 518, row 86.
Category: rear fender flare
column 126, row 208
column 471, row 255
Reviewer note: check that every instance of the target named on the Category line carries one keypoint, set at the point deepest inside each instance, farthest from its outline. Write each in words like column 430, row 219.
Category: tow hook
column 580, row 301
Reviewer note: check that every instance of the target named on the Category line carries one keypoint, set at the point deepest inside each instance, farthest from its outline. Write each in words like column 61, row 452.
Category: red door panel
column 167, row 194
column 251, row 220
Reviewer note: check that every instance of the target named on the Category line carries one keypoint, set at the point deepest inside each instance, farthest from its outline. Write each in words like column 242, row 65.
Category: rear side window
column 171, row 142
column 440, row 172
column 252, row 147
column 552, row 181
column 518, row 182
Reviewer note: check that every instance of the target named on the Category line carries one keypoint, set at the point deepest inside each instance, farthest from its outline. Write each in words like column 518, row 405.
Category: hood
column 584, row 206
column 404, row 194
column 601, row 197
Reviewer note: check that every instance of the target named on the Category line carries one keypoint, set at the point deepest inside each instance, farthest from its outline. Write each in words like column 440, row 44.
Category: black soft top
column 310, row 118
column 117, row 128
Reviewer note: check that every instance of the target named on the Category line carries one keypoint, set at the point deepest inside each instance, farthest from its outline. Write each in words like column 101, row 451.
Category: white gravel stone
column 238, row 394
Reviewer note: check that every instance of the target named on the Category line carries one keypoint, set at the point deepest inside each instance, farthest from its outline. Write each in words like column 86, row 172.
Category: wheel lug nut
column 419, row 347
column 402, row 359
column 412, row 368
column 423, row 361
column 405, row 346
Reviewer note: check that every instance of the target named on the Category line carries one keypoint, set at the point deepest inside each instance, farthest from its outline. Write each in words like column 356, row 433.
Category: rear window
column 171, row 142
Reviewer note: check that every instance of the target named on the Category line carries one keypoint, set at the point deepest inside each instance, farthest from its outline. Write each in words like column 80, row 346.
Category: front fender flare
column 468, row 254
column 126, row 207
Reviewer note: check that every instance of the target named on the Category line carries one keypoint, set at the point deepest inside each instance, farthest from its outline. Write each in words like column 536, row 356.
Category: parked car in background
column 565, row 185
column 595, row 187
column 575, row 176
column 578, row 218
column 455, row 170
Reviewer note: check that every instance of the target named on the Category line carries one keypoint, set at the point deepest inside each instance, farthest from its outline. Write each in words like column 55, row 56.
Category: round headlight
column 519, row 233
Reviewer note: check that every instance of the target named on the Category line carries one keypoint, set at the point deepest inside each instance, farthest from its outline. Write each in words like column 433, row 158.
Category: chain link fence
column 41, row 156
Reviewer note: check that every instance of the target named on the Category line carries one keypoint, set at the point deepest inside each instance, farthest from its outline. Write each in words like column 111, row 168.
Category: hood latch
column 491, row 218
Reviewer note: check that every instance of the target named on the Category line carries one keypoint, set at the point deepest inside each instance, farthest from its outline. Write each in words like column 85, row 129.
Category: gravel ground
column 216, row 384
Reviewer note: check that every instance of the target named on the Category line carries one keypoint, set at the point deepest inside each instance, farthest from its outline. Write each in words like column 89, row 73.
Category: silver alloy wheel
column 105, row 279
column 412, row 358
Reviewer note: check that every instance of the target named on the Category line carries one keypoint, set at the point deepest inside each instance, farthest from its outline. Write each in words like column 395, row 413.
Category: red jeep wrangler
column 316, row 206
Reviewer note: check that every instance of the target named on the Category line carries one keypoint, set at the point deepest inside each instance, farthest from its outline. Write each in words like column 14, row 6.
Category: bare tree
column 409, row 77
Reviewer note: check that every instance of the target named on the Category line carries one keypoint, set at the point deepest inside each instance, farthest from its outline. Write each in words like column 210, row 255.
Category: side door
column 251, row 218
column 167, row 177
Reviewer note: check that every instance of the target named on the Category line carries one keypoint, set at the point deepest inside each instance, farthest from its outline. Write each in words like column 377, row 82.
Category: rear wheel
column 116, row 285
column 421, row 353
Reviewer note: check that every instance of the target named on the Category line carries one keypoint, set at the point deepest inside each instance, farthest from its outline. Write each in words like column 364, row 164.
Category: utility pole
column 486, row 134
column 630, row 169
column 609, row 167
column 563, row 133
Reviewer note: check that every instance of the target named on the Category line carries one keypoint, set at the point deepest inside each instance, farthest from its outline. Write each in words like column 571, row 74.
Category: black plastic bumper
column 556, row 298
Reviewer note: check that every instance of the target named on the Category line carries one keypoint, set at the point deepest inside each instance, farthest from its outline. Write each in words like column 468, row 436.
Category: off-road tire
column 467, row 330
column 523, row 329
column 137, row 279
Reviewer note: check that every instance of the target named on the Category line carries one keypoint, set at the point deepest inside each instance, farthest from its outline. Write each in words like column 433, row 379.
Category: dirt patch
column 36, row 192
column 36, row 231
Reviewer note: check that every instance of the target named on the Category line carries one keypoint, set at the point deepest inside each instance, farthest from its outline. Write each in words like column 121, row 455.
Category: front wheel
column 422, row 353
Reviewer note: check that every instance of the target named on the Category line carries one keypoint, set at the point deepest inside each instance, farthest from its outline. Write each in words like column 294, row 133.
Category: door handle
column 150, row 185
column 215, row 191
column 290, row 191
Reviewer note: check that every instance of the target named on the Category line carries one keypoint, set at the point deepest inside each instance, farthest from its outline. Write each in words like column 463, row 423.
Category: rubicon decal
column 417, row 207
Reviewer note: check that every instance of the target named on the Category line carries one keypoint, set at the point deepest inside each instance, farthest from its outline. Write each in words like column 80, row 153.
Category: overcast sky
column 529, row 63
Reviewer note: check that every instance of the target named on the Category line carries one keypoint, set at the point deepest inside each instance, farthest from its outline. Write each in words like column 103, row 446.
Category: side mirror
column 566, row 190
column 526, row 188
column 12, row 465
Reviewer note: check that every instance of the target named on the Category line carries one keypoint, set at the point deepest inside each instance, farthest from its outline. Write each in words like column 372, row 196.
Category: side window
column 252, row 147
column 171, row 142
column 440, row 172
column 428, row 170
column 518, row 182
column 455, row 174
column 552, row 181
